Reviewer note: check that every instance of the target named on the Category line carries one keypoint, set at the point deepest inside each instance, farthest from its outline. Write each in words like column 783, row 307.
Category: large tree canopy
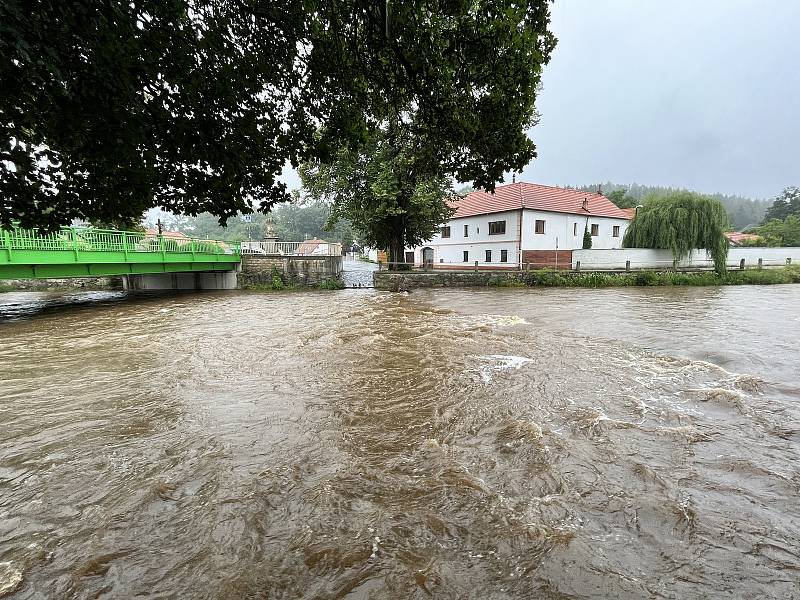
column 786, row 204
column 484, row 59
column 681, row 222
column 111, row 107
column 390, row 198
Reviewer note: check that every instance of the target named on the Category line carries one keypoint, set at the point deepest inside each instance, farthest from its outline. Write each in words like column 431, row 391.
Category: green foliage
column 485, row 59
column 681, row 222
column 587, row 238
column 742, row 212
column 277, row 280
column 389, row 198
column 785, row 205
column 779, row 232
column 551, row 278
column 332, row 283
column 621, row 199
column 111, row 108
column 127, row 223
column 293, row 222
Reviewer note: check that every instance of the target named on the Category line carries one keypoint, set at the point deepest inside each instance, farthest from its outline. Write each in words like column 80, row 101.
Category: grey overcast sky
column 703, row 94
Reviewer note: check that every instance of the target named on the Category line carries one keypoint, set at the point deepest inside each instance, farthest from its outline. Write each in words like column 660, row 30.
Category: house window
column 503, row 255
column 595, row 229
column 488, row 256
column 409, row 257
column 466, row 254
column 616, row 230
column 574, row 229
column 446, row 232
column 538, row 226
column 497, row 227
column 466, row 230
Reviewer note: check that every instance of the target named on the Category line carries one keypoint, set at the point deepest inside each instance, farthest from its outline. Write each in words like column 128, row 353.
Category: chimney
column 586, row 204
column 599, row 189
column 513, row 178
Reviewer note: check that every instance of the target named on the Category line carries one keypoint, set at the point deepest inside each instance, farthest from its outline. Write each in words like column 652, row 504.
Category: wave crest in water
column 372, row 445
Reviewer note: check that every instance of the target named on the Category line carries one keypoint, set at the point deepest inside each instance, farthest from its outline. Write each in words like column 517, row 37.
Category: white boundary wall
column 645, row 258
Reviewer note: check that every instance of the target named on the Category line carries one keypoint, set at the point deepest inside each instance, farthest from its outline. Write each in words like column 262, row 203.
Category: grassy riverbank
column 551, row 278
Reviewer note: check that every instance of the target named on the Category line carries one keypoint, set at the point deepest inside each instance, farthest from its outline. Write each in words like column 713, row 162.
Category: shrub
column 646, row 278
column 332, row 283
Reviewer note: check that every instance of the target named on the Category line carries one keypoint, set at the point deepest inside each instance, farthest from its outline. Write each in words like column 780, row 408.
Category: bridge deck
column 84, row 251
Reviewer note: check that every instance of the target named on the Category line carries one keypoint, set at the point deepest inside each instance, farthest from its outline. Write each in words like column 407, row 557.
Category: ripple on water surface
column 454, row 444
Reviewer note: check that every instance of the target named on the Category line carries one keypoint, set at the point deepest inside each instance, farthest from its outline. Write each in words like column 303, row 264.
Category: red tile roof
column 177, row 235
column 736, row 237
column 631, row 212
column 537, row 197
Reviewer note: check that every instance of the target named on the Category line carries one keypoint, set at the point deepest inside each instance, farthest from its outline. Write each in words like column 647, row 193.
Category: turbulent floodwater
column 636, row 443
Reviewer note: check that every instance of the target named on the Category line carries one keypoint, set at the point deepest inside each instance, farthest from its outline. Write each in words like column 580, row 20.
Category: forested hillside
column 742, row 212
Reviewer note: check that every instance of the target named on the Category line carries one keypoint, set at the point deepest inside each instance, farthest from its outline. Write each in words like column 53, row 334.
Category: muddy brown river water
column 537, row 443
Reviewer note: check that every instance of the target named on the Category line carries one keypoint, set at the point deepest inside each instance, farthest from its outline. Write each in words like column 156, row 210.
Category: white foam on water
column 501, row 362
column 10, row 578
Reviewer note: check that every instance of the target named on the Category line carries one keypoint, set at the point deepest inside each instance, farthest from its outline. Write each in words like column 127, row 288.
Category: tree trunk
column 397, row 249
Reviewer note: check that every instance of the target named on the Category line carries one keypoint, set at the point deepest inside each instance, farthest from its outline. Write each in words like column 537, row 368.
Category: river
column 506, row 443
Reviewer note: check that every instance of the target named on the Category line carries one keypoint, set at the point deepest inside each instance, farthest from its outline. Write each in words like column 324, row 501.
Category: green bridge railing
column 89, row 239
column 86, row 251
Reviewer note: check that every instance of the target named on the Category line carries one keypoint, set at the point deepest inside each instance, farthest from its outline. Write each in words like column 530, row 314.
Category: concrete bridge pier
column 200, row 280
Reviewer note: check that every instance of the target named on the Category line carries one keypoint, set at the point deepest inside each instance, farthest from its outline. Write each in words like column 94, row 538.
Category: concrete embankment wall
column 645, row 258
column 74, row 283
column 201, row 280
column 301, row 270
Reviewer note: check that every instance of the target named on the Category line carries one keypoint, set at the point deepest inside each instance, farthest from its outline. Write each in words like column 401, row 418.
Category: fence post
column 7, row 243
column 74, row 237
column 741, row 265
column 578, row 266
column 628, row 266
column 125, row 244
column 476, row 266
column 760, row 263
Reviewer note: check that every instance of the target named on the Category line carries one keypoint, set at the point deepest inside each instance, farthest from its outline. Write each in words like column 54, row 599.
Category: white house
column 522, row 223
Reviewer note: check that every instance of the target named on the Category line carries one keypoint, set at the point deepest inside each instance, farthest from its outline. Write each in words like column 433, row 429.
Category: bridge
column 90, row 252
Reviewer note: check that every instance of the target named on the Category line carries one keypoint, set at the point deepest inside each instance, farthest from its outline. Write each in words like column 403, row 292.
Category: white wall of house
column 568, row 229
column 646, row 258
column 476, row 241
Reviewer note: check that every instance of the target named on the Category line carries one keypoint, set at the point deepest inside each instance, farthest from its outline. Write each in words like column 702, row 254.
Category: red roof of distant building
column 736, row 237
column 309, row 246
column 631, row 212
column 515, row 196
column 167, row 234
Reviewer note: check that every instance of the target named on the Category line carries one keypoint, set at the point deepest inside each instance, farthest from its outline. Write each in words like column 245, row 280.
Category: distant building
column 522, row 223
column 736, row 238
column 172, row 235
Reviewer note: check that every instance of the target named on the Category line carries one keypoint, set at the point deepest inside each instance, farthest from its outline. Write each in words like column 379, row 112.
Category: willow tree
column 681, row 222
